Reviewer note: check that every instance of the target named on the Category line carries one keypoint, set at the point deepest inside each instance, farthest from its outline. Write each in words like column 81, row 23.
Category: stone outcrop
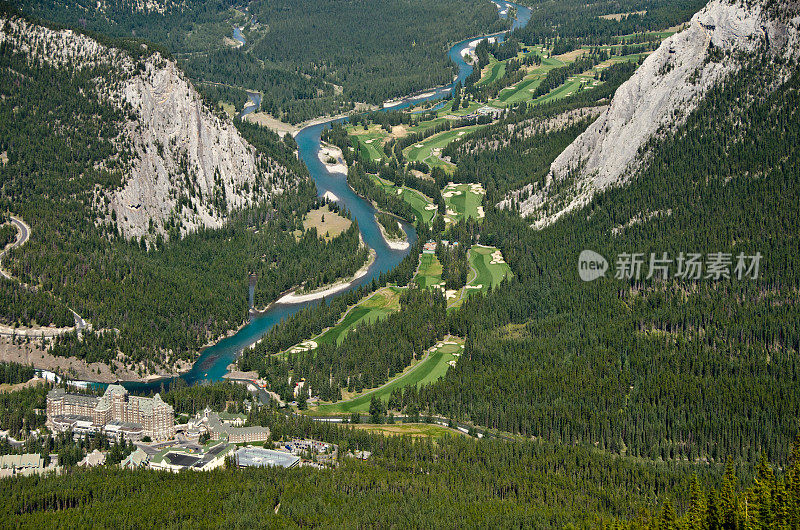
column 188, row 167
column 663, row 91
column 191, row 166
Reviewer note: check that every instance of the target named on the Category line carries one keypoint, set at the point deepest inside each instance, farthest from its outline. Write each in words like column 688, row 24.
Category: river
column 214, row 360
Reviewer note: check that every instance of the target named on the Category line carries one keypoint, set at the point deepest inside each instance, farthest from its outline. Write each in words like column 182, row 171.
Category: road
column 23, row 234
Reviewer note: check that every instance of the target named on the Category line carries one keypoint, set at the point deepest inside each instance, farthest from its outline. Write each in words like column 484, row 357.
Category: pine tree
column 698, row 510
column 728, row 501
column 667, row 519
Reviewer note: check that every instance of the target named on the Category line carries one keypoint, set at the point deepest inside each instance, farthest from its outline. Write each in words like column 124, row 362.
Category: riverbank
column 282, row 128
column 332, row 157
column 270, row 122
column 294, row 298
column 214, row 361
column 394, row 244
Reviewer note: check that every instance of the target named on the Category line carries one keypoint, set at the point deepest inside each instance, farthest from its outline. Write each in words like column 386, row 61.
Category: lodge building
column 116, row 413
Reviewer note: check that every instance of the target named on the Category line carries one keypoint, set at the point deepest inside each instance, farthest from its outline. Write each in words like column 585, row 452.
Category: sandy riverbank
column 394, row 244
column 294, row 298
column 282, row 128
column 328, row 152
column 270, row 122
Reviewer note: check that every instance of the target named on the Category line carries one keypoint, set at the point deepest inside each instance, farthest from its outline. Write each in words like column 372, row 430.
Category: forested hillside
column 308, row 57
column 452, row 481
column 72, row 136
column 663, row 368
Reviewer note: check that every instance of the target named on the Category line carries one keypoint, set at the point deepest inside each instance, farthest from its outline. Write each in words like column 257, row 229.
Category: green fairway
column 463, row 201
column 489, row 266
column 372, row 144
column 420, row 203
column 496, row 71
column 428, row 150
column 378, row 306
column 524, row 89
column 430, row 271
column 431, row 368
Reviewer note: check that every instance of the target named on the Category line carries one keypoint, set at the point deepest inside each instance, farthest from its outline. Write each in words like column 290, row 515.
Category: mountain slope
column 147, row 211
column 654, row 101
column 181, row 166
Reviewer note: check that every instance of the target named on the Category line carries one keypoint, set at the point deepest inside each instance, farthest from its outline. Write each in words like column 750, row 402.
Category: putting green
column 372, row 144
column 490, row 268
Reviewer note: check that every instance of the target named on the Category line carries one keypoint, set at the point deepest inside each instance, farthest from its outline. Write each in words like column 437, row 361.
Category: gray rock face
column 190, row 167
column 187, row 159
column 665, row 89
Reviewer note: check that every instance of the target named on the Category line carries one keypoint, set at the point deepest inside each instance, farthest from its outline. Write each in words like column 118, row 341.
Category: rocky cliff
column 184, row 167
column 656, row 100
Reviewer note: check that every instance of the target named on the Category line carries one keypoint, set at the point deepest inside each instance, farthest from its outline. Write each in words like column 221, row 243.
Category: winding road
column 23, row 234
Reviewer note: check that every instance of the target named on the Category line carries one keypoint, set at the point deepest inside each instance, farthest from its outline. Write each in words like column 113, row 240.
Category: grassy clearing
column 463, row 201
column 433, row 366
column 328, row 224
column 229, row 108
column 415, row 430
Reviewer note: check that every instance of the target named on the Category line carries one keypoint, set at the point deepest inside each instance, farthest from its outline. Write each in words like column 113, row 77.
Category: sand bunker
column 497, row 258
column 304, row 346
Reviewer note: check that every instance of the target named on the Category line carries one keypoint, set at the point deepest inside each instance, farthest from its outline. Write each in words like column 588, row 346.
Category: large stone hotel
column 116, row 413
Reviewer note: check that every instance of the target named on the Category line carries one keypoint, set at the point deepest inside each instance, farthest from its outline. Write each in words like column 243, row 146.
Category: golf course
column 432, row 366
